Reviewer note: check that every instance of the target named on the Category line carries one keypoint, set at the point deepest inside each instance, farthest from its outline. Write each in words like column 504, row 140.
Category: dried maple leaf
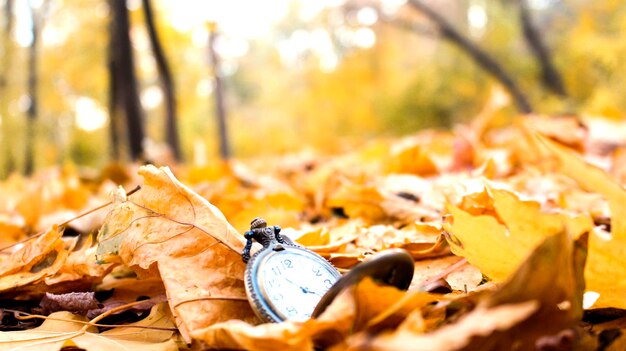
column 498, row 236
column 167, row 229
column 606, row 270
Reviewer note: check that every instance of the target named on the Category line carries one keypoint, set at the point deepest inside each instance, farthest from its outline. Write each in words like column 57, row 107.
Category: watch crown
column 258, row 222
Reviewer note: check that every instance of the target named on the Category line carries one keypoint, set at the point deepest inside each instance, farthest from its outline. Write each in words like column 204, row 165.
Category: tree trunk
column 114, row 96
column 480, row 57
column 220, row 109
column 9, row 164
column 550, row 77
column 167, row 83
column 31, row 113
column 124, row 79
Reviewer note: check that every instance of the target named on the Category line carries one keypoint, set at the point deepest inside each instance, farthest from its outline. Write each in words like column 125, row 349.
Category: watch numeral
column 291, row 311
column 317, row 272
column 328, row 283
column 276, row 270
column 287, row 263
column 278, row 297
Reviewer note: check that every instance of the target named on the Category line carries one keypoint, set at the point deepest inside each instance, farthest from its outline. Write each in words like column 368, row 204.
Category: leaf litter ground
column 517, row 234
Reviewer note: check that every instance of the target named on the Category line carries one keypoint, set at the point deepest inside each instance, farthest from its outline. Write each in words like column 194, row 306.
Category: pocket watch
column 284, row 280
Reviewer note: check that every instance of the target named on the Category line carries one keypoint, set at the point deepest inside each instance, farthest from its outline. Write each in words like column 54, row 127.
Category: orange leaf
column 193, row 248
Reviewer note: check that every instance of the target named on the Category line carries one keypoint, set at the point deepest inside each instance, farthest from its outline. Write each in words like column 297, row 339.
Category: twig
column 21, row 315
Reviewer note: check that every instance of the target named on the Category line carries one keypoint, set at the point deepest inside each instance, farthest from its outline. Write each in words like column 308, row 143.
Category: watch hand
column 304, row 290
column 313, row 292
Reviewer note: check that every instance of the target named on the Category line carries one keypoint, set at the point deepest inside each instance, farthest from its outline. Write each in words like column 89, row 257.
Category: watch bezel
column 262, row 305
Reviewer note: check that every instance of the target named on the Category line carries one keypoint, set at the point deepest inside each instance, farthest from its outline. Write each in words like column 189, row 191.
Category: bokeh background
column 291, row 75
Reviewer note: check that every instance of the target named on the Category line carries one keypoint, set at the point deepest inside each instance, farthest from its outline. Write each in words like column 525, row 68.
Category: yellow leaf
column 606, row 270
column 497, row 238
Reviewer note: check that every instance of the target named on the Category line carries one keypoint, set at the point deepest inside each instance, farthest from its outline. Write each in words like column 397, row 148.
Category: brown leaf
column 76, row 302
column 169, row 230
column 31, row 263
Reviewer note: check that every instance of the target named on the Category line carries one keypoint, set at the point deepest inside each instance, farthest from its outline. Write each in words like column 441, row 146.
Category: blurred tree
column 220, row 108
column 123, row 83
column 167, row 83
column 9, row 164
column 480, row 57
column 37, row 18
column 115, row 115
column 550, row 77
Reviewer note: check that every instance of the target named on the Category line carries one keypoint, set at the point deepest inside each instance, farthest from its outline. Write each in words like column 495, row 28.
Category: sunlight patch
column 589, row 298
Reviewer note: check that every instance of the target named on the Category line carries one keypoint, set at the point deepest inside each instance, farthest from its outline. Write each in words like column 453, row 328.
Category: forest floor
column 517, row 233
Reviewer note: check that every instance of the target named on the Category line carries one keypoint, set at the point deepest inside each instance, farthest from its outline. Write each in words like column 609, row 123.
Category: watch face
column 293, row 281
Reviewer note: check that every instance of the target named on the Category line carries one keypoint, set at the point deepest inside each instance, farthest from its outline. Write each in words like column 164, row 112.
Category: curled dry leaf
column 463, row 278
column 167, row 229
column 80, row 268
column 77, row 302
column 27, row 255
column 365, row 306
column 525, row 309
column 33, row 261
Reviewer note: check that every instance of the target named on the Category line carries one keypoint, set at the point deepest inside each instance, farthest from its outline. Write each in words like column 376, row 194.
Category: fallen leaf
column 64, row 330
column 366, row 305
column 32, row 252
column 37, row 259
column 167, row 229
column 525, row 309
column 496, row 231
column 606, row 270
column 465, row 278
column 412, row 155
column 76, row 302
column 80, row 268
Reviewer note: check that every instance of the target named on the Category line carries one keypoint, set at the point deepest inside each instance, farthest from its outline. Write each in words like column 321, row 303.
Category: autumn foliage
column 516, row 233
